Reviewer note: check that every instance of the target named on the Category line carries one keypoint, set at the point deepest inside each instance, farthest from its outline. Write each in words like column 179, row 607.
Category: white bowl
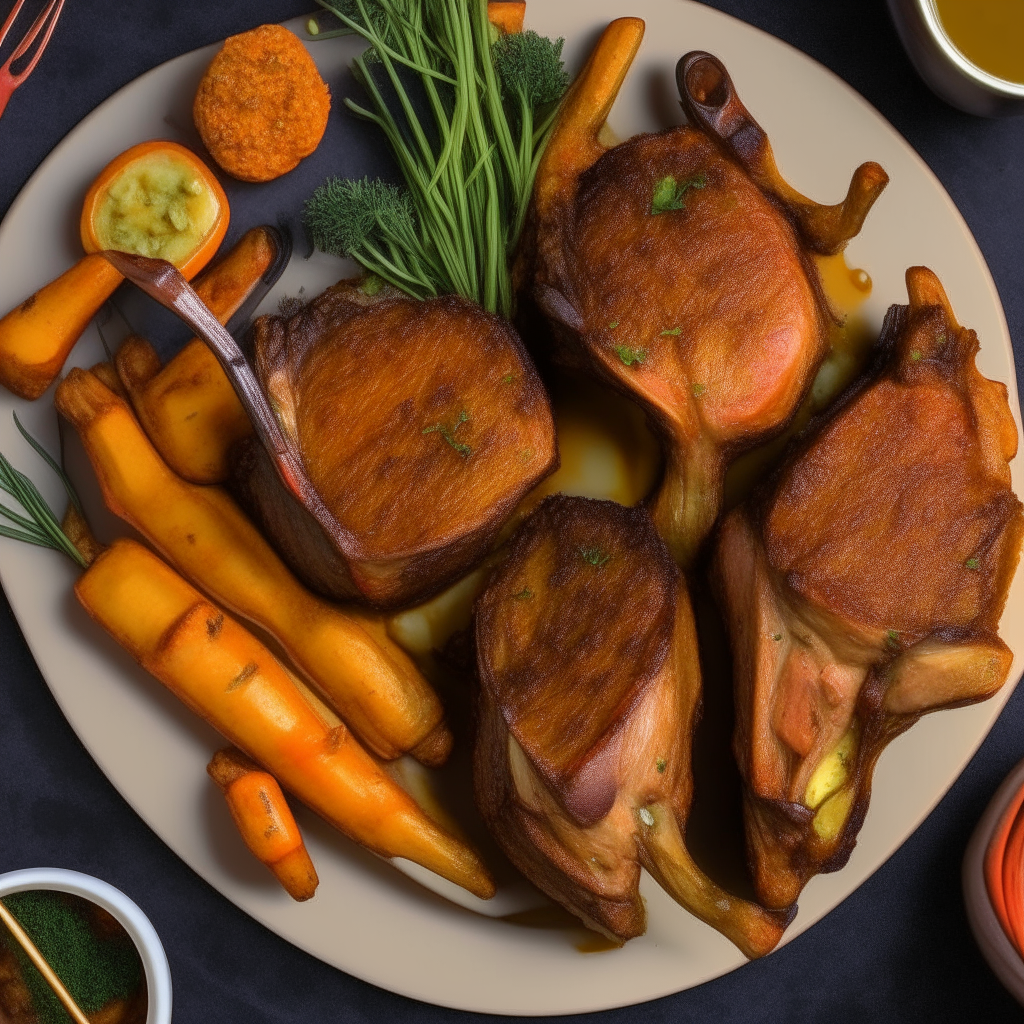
column 133, row 920
column 997, row 949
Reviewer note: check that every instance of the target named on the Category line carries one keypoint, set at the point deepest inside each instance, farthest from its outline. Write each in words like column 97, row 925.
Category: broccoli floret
column 375, row 223
column 530, row 66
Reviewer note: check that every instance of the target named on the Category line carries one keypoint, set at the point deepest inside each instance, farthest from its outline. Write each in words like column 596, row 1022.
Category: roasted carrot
column 575, row 141
column 507, row 15
column 370, row 681
column 36, row 336
column 223, row 673
column 188, row 408
column 264, row 820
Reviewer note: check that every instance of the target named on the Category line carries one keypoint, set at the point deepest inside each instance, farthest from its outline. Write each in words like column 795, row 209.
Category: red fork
column 43, row 27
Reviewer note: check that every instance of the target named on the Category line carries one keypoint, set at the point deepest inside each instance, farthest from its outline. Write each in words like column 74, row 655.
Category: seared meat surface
column 420, row 425
column 589, row 695
column 863, row 586
column 677, row 268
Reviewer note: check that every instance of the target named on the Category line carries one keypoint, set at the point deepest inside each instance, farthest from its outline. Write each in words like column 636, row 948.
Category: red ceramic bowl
column 997, row 949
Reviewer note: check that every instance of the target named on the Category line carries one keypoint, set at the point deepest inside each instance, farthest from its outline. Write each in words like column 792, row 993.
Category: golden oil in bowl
column 989, row 33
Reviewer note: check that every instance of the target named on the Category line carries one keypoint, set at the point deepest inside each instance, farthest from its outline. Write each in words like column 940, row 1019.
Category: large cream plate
column 367, row 918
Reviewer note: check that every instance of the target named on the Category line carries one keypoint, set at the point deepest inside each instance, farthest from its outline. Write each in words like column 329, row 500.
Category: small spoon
column 40, row 964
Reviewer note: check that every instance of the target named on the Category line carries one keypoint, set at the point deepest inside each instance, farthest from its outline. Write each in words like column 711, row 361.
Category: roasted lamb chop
column 419, row 424
column 863, row 586
column 589, row 695
column 677, row 267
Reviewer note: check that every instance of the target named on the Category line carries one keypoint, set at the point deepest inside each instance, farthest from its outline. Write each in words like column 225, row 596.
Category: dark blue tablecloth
column 899, row 949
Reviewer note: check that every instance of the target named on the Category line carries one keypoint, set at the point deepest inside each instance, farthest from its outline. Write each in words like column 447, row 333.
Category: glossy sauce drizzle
column 852, row 339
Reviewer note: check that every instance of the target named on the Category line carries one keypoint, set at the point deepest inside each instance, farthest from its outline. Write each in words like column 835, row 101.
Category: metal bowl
column 945, row 69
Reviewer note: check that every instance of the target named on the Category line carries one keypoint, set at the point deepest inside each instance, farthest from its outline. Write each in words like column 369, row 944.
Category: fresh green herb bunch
column 466, row 112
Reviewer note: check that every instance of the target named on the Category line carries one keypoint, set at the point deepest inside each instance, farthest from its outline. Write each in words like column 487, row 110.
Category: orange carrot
column 36, row 336
column 265, row 821
column 188, row 408
column 370, row 681
column 507, row 15
column 227, row 676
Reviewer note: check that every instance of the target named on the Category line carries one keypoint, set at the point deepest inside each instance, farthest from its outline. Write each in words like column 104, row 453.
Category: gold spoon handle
column 21, row 936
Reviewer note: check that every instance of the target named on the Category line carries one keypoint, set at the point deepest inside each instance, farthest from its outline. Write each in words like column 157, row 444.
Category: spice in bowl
column 87, row 948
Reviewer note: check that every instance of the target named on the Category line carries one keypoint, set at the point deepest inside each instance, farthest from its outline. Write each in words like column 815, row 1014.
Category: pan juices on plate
column 863, row 585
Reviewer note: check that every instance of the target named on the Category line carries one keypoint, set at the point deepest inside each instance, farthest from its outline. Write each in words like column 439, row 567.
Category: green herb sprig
column 40, row 525
column 668, row 194
column 466, row 112
column 595, row 557
column 629, row 355
column 449, row 435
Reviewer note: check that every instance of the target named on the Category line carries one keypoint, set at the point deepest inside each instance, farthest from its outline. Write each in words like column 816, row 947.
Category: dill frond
column 467, row 117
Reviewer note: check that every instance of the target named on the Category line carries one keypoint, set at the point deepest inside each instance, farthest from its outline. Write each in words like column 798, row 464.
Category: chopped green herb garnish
column 942, row 340
column 613, row 325
column 594, row 556
column 660, row 764
column 371, row 284
column 449, row 435
column 630, row 356
column 776, row 637
column 892, row 640
column 698, row 390
column 524, row 595
column 668, row 195
column 915, row 355
column 675, row 332
column 973, row 563
column 507, row 379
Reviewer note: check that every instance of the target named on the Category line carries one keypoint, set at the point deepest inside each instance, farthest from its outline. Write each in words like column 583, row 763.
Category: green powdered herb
column 94, row 970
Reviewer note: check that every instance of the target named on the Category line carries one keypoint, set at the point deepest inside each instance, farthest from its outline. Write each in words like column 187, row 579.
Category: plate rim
column 996, row 704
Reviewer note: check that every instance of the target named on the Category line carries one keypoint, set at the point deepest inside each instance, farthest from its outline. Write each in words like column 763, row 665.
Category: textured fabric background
column 899, row 949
